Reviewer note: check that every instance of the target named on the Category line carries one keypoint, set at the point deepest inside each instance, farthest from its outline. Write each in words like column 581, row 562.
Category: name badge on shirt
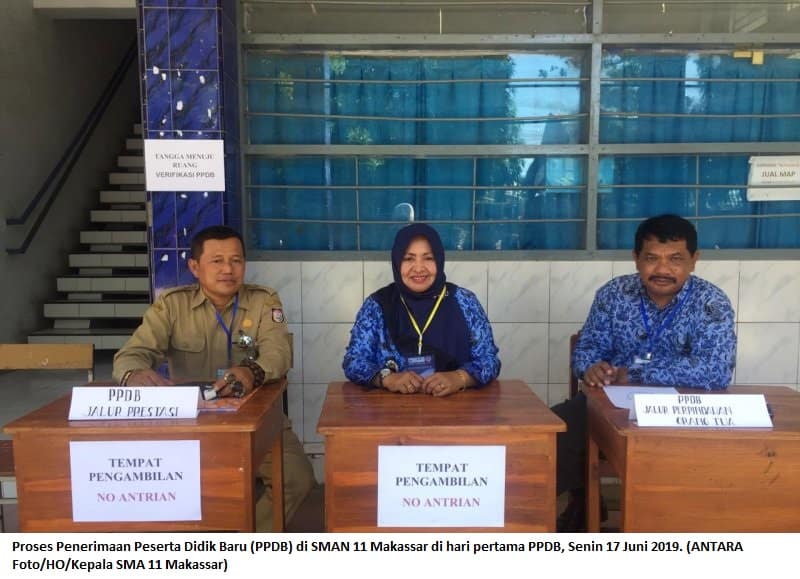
column 422, row 365
column 642, row 360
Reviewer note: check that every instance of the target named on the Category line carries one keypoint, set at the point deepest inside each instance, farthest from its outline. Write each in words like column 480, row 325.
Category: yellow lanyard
column 427, row 323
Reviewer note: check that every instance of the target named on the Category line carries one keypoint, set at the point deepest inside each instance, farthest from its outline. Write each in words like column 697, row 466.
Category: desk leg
column 592, row 485
column 278, row 509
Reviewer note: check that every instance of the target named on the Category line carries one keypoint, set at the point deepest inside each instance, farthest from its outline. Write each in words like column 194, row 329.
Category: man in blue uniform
column 660, row 326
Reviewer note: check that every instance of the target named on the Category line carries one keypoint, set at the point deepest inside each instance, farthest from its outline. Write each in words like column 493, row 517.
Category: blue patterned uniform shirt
column 696, row 348
column 371, row 348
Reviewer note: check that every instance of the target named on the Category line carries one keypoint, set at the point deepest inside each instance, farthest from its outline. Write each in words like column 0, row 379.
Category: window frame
column 593, row 42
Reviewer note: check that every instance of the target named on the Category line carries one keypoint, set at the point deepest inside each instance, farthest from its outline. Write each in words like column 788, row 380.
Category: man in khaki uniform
column 220, row 329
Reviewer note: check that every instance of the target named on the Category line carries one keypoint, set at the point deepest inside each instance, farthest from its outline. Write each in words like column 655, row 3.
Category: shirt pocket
column 188, row 357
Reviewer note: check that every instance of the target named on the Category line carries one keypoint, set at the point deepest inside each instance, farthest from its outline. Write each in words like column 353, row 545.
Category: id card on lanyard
column 422, row 365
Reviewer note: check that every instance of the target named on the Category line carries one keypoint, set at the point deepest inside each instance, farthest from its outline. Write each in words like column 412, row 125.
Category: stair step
column 126, row 178
column 103, row 284
column 85, row 297
column 118, row 216
column 105, row 248
column 130, row 161
column 109, row 290
column 102, row 338
column 133, row 260
column 106, row 271
column 111, row 196
column 115, row 237
column 128, row 196
column 94, row 310
column 69, row 324
column 122, row 207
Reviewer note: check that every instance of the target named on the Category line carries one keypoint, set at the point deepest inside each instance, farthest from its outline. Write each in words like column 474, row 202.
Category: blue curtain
column 512, row 202
column 406, row 100
column 729, row 91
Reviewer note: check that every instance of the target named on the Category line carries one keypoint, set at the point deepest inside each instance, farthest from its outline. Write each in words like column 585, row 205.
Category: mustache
column 662, row 278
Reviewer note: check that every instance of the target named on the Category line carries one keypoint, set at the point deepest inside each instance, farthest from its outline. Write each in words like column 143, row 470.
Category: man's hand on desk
column 146, row 377
column 603, row 374
column 236, row 382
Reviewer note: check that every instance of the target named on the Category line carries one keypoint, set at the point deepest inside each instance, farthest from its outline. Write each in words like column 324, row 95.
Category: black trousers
column 571, row 445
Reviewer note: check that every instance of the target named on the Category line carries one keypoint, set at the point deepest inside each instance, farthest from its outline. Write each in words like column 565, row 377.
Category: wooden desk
column 232, row 446
column 356, row 421
column 699, row 480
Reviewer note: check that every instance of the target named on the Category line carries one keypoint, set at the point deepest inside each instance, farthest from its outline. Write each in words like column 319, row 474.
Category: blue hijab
column 448, row 337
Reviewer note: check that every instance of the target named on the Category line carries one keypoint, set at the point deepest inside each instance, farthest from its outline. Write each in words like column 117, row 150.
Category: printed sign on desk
column 702, row 410
column 133, row 402
column 184, row 164
column 155, row 480
column 441, row 486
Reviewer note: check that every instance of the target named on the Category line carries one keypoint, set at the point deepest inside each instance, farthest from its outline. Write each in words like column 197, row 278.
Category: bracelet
column 125, row 377
column 259, row 376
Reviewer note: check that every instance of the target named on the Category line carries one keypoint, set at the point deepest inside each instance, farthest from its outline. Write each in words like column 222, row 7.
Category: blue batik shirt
column 696, row 348
column 371, row 348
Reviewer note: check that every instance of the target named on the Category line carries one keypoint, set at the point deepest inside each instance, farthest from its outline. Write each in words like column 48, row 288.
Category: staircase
column 103, row 299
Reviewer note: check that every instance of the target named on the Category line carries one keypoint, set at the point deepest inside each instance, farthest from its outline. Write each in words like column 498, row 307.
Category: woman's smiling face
column 418, row 268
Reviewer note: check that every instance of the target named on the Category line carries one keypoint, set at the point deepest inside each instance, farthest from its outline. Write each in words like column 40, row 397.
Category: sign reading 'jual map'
column 441, row 486
column 774, row 178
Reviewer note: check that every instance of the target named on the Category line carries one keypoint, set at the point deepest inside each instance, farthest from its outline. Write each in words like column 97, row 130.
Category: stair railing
column 58, row 176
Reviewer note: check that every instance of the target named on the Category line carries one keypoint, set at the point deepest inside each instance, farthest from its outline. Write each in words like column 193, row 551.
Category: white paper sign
column 781, row 173
column 133, row 402
column 441, row 486
column 622, row 396
column 702, row 410
column 184, row 164
column 156, row 480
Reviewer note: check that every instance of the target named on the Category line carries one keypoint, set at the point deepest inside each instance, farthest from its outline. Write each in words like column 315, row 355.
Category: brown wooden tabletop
column 356, row 421
column 232, row 446
column 501, row 404
column 54, row 417
column 699, row 479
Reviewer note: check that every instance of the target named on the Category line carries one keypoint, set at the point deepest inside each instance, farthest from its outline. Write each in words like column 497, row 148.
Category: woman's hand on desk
column 446, row 383
column 403, row 382
column 603, row 374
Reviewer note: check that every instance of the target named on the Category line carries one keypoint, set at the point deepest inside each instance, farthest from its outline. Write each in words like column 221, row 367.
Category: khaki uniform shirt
column 182, row 327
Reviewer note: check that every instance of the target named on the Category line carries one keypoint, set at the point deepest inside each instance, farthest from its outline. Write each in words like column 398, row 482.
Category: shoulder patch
column 277, row 316
column 178, row 289
column 260, row 288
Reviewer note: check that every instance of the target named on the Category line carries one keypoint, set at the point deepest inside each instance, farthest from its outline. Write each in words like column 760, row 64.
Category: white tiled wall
column 534, row 306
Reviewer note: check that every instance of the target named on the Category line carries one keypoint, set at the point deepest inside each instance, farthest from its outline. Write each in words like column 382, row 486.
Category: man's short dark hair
column 213, row 232
column 666, row 228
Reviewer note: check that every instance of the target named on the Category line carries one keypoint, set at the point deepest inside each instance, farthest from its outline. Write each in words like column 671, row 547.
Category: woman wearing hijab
column 420, row 333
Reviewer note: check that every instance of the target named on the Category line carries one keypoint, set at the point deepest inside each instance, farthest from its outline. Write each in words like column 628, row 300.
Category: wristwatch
column 383, row 374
